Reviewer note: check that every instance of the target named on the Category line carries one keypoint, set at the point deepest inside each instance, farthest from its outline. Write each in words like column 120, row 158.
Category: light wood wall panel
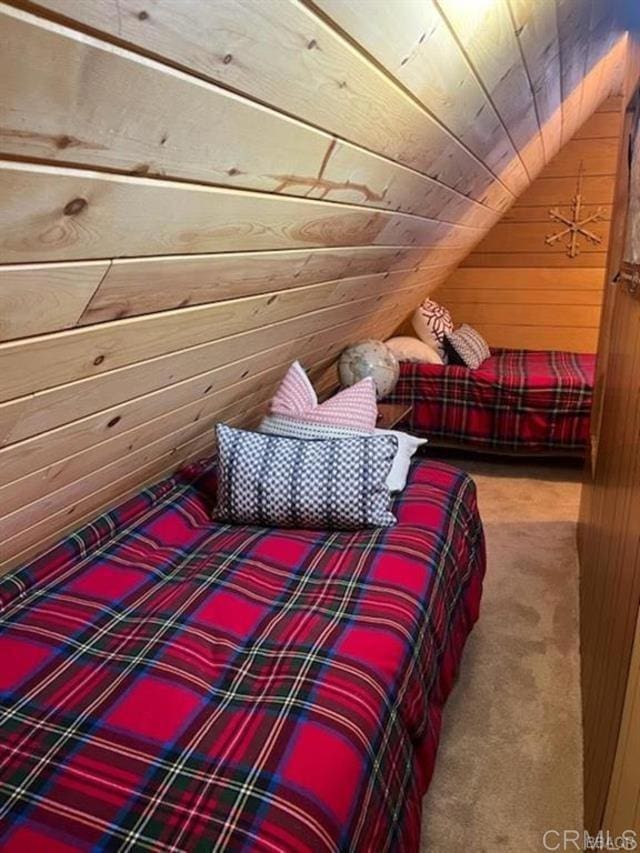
column 415, row 43
column 108, row 409
column 299, row 160
column 105, row 346
column 194, row 194
column 63, row 214
column 302, row 67
column 41, row 411
column 574, row 22
column 486, row 34
column 123, row 441
column 37, row 298
column 536, row 28
column 520, row 292
column 141, row 285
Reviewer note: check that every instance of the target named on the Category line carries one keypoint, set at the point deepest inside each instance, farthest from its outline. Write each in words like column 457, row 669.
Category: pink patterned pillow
column 296, row 394
column 353, row 407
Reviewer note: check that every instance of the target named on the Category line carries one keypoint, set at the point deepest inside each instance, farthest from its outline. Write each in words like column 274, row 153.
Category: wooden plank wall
column 610, row 553
column 622, row 812
column 519, row 291
column 609, row 533
column 193, row 194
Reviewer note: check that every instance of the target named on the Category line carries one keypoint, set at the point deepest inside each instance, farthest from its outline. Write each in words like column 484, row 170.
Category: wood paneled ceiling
column 193, row 192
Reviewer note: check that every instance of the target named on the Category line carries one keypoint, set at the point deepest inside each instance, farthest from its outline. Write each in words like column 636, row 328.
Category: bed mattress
column 517, row 401
column 170, row 683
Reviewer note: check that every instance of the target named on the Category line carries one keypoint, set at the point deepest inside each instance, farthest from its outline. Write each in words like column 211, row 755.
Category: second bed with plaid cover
column 517, row 401
column 171, row 683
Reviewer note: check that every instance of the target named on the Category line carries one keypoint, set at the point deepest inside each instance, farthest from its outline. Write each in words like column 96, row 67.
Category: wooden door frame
column 618, row 273
column 590, row 529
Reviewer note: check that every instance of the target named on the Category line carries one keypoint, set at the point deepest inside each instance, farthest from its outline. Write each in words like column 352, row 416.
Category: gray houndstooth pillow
column 407, row 444
column 466, row 346
column 272, row 481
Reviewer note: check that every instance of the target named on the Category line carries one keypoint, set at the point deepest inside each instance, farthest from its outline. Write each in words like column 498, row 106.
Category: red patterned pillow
column 353, row 407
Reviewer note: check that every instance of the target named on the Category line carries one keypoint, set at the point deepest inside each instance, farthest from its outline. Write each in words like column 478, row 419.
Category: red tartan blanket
column 169, row 683
column 518, row 401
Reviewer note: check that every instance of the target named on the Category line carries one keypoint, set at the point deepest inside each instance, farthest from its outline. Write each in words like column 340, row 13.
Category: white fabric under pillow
column 407, row 446
column 292, row 428
column 295, row 428
column 406, row 348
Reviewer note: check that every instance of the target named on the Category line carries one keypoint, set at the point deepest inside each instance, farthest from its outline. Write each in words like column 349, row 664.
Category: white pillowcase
column 406, row 348
column 407, row 446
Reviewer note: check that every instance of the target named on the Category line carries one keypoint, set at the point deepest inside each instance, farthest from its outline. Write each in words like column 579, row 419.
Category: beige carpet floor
column 510, row 761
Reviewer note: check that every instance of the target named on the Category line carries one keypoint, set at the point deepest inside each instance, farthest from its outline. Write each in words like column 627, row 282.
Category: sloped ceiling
column 193, row 193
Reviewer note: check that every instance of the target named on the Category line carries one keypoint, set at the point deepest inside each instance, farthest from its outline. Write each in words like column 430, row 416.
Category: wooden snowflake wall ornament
column 575, row 226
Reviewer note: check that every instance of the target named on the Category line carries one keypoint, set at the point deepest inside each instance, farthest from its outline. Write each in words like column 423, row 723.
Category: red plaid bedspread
column 169, row 683
column 518, row 401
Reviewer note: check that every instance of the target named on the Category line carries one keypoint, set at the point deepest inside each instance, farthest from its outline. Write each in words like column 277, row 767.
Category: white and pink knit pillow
column 354, row 407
